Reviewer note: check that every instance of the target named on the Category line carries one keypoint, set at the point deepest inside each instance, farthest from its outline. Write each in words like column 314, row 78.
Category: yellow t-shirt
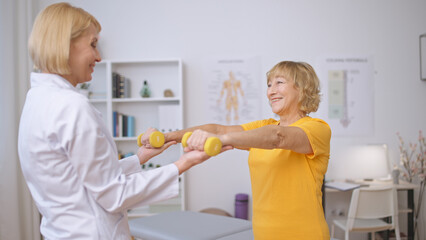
column 286, row 186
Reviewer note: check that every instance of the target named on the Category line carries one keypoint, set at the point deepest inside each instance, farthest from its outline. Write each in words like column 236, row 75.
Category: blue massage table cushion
column 187, row 225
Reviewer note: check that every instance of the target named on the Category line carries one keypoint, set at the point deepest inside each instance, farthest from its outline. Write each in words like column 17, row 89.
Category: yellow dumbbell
column 212, row 146
column 156, row 139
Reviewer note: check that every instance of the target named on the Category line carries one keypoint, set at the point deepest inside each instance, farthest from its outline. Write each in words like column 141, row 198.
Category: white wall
column 275, row 30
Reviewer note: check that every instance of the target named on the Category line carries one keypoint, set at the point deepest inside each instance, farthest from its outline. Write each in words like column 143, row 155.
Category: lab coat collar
column 50, row 80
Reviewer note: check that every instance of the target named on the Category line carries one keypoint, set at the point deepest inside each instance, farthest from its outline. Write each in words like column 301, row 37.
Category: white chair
column 367, row 208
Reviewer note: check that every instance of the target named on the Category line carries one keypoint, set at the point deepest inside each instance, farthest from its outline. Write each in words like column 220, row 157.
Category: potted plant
column 413, row 162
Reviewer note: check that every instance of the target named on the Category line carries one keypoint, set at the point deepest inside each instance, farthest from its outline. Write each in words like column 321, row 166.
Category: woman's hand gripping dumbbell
column 212, row 145
column 156, row 139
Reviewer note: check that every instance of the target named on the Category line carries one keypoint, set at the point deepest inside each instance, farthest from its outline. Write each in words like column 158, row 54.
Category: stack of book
column 120, row 86
column 123, row 125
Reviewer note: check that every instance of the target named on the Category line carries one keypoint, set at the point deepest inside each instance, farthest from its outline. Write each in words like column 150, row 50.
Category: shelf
column 129, row 100
column 145, row 61
column 125, row 138
column 156, row 111
column 97, row 100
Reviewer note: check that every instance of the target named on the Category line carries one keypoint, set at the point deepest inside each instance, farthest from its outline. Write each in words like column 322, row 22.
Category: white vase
column 395, row 176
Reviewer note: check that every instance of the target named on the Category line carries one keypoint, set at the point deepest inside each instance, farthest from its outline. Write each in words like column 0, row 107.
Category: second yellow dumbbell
column 156, row 139
column 212, row 146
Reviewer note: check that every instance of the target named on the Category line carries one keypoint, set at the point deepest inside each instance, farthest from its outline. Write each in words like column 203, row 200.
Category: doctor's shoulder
column 71, row 103
column 74, row 97
column 73, row 114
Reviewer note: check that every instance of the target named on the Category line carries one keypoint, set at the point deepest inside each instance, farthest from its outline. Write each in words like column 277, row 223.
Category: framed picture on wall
column 423, row 57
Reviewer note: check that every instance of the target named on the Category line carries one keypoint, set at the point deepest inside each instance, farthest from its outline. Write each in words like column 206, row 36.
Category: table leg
column 410, row 220
column 323, row 196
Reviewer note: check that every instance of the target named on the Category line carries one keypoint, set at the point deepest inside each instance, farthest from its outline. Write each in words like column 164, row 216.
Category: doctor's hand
column 146, row 153
column 193, row 157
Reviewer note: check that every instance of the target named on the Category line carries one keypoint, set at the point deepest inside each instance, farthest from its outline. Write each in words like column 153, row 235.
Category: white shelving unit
column 156, row 111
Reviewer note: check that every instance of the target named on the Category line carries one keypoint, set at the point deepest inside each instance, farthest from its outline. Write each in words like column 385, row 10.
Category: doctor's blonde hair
column 53, row 30
column 305, row 80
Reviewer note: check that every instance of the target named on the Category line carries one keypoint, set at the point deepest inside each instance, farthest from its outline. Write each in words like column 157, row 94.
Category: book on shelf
column 123, row 125
column 126, row 88
column 124, row 129
column 114, row 85
column 131, row 126
column 114, row 123
column 120, row 125
column 120, row 86
column 121, row 81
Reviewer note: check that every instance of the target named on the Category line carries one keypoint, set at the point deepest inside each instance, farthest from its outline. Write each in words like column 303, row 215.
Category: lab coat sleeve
column 130, row 165
column 116, row 187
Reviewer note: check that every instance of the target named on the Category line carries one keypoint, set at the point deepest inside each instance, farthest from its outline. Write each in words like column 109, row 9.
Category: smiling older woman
column 288, row 157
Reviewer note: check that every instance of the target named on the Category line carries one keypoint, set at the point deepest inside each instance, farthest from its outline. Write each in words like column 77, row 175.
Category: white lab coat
column 70, row 163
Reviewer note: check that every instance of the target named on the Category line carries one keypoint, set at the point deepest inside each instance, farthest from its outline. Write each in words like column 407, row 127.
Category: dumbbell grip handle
column 212, row 146
column 156, row 139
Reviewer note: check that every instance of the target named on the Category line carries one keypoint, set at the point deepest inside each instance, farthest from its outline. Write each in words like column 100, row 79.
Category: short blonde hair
column 305, row 80
column 53, row 30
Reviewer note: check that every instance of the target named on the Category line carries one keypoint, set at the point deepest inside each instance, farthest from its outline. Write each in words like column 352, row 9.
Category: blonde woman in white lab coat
column 68, row 158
